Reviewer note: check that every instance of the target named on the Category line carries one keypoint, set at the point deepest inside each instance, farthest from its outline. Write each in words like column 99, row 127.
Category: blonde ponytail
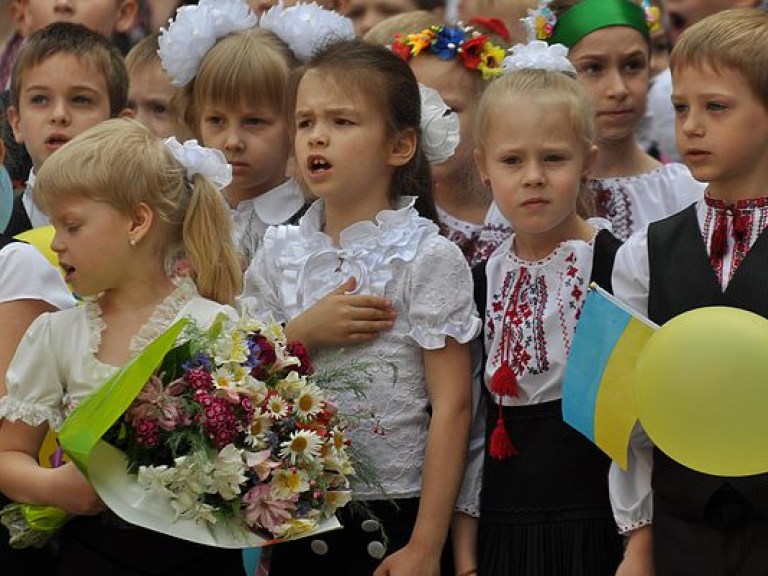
column 207, row 242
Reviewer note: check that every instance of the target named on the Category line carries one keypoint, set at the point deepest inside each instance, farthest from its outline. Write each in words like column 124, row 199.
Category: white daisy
column 309, row 402
column 303, row 444
column 276, row 406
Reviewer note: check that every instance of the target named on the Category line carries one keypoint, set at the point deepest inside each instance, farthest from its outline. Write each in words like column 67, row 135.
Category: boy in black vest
column 714, row 253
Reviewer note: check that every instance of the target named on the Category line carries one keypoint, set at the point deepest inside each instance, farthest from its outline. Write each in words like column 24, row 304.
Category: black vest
column 682, row 279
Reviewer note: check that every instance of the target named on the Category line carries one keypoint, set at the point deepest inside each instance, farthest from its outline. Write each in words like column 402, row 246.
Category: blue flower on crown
column 447, row 42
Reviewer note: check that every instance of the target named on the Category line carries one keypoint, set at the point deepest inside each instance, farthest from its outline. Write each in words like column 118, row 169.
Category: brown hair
column 389, row 83
column 143, row 54
column 121, row 163
column 731, row 39
column 249, row 66
column 87, row 46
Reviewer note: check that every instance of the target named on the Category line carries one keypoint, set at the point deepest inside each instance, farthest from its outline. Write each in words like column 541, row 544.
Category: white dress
column 629, row 203
column 631, row 495
column 55, row 366
column 252, row 217
column 25, row 274
column 537, row 303
column 399, row 256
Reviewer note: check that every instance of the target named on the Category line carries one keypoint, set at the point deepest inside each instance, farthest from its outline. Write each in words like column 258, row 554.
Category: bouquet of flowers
column 232, row 441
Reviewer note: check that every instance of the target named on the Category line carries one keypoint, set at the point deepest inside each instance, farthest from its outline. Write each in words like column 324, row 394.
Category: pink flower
column 260, row 462
column 261, row 511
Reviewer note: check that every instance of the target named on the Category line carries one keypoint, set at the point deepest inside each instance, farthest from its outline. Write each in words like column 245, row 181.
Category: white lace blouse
column 252, row 217
column 399, row 256
column 631, row 495
column 537, row 305
column 55, row 365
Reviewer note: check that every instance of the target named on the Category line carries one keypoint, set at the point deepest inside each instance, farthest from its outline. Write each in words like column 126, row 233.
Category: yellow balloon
column 701, row 390
column 41, row 239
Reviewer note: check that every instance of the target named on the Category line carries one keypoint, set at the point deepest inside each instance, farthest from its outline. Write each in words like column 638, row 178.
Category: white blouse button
column 376, row 550
column 319, row 547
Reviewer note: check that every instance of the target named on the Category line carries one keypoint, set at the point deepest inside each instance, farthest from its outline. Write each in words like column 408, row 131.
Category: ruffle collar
column 365, row 251
column 274, row 206
column 163, row 314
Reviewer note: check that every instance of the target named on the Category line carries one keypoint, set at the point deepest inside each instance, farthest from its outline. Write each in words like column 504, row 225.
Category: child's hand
column 341, row 319
column 409, row 561
column 72, row 492
column 638, row 557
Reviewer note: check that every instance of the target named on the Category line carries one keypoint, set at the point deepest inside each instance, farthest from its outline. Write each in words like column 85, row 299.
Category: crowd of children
column 307, row 190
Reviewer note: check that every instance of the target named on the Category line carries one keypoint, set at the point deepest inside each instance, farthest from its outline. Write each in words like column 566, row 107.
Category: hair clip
column 307, row 28
column 473, row 48
column 538, row 55
column 540, row 22
column 652, row 16
column 196, row 159
column 440, row 126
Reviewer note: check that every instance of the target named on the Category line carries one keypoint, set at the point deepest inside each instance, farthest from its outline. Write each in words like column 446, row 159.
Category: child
column 149, row 90
column 361, row 251
column 544, row 507
column 236, row 102
column 109, row 18
column 66, row 80
column 436, row 55
column 120, row 202
column 710, row 254
column 610, row 51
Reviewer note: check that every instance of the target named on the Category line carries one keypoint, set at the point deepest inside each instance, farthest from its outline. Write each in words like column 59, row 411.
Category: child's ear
column 480, row 165
column 142, row 217
column 126, row 15
column 589, row 161
column 403, row 148
column 15, row 122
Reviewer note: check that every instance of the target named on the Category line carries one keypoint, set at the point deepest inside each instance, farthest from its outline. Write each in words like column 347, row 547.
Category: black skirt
column 105, row 545
column 546, row 512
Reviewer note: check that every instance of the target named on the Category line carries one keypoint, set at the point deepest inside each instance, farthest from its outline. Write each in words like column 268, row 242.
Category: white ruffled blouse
column 631, row 495
column 537, row 304
column 402, row 257
column 55, row 365
column 252, row 217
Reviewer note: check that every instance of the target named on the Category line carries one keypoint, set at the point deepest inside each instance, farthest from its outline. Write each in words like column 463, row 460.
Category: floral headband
column 197, row 159
column 588, row 16
column 305, row 28
column 474, row 48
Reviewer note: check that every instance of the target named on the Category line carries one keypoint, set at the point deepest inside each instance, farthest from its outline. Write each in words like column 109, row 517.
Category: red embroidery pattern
column 613, row 205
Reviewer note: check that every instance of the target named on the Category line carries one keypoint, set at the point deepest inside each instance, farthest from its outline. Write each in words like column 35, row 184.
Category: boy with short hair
column 150, row 90
column 703, row 525
column 67, row 79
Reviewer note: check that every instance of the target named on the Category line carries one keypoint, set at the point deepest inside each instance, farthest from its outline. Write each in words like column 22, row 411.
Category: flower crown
column 474, row 48
column 305, row 28
column 588, row 16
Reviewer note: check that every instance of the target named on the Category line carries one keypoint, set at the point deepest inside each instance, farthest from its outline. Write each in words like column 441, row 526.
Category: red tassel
column 740, row 225
column 501, row 446
column 719, row 241
column 504, row 381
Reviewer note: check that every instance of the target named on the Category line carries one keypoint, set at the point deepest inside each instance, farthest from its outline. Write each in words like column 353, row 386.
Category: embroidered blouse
column 739, row 227
column 252, row 217
column 400, row 256
column 462, row 233
column 55, row 365
column 530, row 318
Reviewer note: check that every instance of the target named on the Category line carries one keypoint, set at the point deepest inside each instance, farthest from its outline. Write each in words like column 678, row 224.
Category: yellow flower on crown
column 419, row 41
column 490, row 61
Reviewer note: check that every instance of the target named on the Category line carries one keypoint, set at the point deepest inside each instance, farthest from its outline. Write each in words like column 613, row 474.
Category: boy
column 703, row 525
column 150, row 90
column 67, row 78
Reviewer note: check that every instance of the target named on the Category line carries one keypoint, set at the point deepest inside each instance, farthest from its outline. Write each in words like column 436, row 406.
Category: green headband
column 591, row 15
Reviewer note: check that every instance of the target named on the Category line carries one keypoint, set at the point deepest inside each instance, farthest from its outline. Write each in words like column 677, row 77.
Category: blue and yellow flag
column 598, row 385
